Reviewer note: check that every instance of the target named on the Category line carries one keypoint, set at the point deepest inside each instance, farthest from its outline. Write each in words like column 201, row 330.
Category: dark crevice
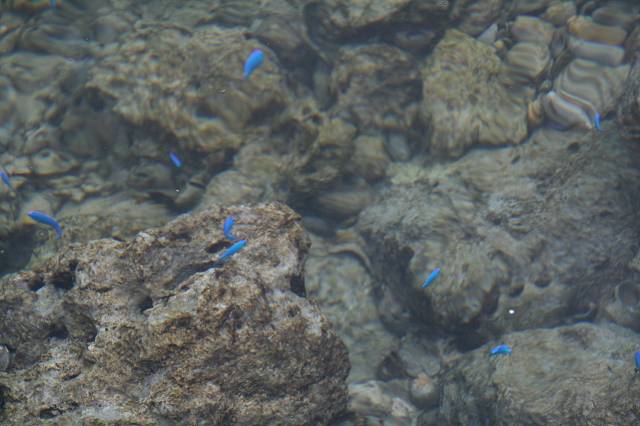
column 58, row 331
column 146, row 303
column 218, row 246
column 297, row 285
column 64, row 280
column 36, row 284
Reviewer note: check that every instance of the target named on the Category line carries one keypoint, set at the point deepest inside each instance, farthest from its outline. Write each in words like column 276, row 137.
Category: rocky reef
column 155, row 331
column 480, row 137
column 581, row 365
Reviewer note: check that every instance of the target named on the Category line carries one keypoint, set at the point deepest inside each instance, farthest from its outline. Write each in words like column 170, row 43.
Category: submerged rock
column 464, row 102
column 581, row 374
column 185, row 83
column 628, row 111
column 153, row 331
column 537, row 229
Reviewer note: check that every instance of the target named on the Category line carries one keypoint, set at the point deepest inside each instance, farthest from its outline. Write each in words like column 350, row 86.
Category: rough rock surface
column 180, row 81
column 629, row 105
column 464, row 102
column 152, row 331
column 545, row 230
column 575, row 375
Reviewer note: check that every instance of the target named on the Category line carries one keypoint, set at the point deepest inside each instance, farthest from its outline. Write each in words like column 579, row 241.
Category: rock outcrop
column 156, row 331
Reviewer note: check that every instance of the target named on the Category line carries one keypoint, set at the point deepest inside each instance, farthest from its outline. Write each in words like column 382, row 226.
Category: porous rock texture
column 575, row 375
column 154, row 331
column 534, row 237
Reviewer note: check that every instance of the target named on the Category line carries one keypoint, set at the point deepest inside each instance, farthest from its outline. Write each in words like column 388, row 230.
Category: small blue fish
column 501, row 350
column 637, row 359
column 596, row 121
column 228, row 225
column 431, row 278
column 232, row 250
column 5, row 179
column 47, row 220
column 175, row 160
column 254, row 60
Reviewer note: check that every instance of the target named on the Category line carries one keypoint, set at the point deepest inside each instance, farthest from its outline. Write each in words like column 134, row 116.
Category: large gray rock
column 576, row 375
column 153, row 331
column 540, row 231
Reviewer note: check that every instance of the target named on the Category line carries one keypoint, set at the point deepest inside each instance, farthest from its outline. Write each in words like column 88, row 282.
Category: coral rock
column 527, row 60
column 528, row 28
column 464, row 103
column 153, row 331
column 584, row 28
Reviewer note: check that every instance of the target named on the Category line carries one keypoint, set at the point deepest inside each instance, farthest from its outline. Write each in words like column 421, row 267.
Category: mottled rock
column 537, row 229
column 343, row 203
column 559, row 13
column 581, row 374
column 628, row 110
column 378, row 87
column 340, row 19
column 592, row 87
column 529, row 62
column 157, row 332
column 601, row 53
column 584, row 28
column 370, row 159
column 475, row 16
column 617, row 13
column 319, row 157
column 189, row 84
column 50, row 162
column 527, row 6
column 377, row 399
column 531, row 29
column 463, row 101
column 7, row 101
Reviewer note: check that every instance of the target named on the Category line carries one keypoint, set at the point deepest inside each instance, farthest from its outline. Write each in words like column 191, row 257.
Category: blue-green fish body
column 431, row 278
column 47, row 220
column 5, row 179
column 501, row 350
column 232, row 250
column 228, row 225
column 255, row 59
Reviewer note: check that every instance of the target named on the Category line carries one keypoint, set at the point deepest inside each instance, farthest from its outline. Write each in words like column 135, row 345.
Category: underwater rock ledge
column 155, row 331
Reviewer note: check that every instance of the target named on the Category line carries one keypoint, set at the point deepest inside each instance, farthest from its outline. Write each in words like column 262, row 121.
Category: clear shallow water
column 410, row 136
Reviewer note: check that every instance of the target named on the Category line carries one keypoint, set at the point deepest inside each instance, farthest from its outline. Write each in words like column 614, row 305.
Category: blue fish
column 501, row 350
column 596, row 121
column 175, row 160
column 53, row 4
column 5, row 179
column 228, row 225
column 254, row 60
column 232, row 250
column 47, row 220
column 431, row 278
column 637, row 359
